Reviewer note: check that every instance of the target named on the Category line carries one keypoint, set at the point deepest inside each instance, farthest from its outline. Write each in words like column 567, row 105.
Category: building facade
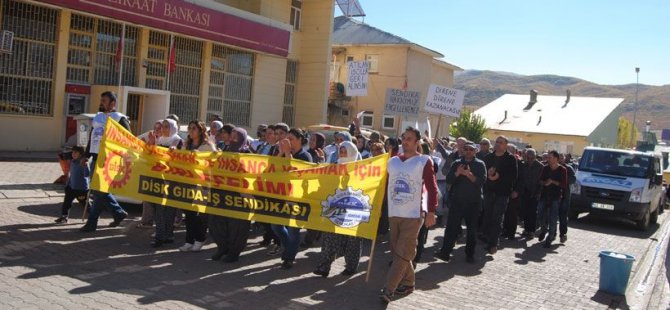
column 394, row 62
column 562, row 123
column 247, row 62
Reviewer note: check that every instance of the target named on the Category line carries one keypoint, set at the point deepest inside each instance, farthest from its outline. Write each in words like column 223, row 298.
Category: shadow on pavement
column 612, row 226
column 611, row 301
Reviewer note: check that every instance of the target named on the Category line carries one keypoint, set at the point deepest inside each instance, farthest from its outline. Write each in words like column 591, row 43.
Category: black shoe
column 541, row 235
column 493, row 250
column 511, row 237
column 348, row 273
column 218, row 254
column 87, row 228
column 61, row 220
column 287, row 264
column 470, row 259
column 386, row 296
column 118, row 219
column 547, row 244
column 156, row 243
column 443, row 256
column 404, row 290
column 265, row 243
column 321, row 272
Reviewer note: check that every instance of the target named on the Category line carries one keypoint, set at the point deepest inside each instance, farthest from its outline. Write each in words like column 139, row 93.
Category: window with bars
column 296, row 11
column 230, row 83
column 157, row 60
column 184, row 81
column 26, row 75
column 288, row 112
column 93, row 45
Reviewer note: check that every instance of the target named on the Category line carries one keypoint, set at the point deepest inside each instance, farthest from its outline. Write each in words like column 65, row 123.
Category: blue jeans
column 100, row 201
column 494, row 209
column 547, row 211
column 290, row 240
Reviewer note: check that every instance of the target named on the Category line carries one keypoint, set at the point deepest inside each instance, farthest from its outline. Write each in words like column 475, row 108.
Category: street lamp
column 637, row 88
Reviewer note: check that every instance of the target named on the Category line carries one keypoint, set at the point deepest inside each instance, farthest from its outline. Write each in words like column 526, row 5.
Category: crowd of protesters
column 492, row 189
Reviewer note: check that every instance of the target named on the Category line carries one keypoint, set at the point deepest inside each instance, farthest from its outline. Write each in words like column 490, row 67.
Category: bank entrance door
column 134, row 111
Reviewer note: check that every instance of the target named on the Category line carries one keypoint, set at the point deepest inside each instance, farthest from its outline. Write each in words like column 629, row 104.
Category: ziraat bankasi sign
column 189, row 19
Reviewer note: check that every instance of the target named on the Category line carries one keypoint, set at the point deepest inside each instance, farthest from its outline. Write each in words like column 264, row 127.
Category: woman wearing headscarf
column 333, row 243
column 363, row 148
column 197, row 141
column 231, row 234
column 316, row 144
column 164, row 215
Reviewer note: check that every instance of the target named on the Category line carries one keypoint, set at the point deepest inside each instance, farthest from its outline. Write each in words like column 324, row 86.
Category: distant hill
column 483, row 87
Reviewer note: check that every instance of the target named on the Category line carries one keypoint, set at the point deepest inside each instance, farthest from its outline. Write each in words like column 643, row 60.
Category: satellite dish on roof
column 350, row 8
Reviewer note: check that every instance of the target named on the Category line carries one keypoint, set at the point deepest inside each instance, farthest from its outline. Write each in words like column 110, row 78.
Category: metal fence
column 26, row 74
column 288, row 111
column 230, row 85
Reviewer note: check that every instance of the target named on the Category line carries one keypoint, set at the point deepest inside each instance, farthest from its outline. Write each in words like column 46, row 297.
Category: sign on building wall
column 445, row 101
column 402, row 102
column 357, row 80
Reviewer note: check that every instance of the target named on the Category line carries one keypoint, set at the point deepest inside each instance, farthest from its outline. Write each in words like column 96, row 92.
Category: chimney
column 539, row 121
column 504, row 118
column 567, row 98
column 533, row 100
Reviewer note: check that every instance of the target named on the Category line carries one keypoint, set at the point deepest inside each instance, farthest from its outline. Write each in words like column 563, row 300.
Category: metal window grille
column 288, row 112
column 92, row 52
column 26, row 75
column 231, row 82
column 184, row 83
column 157, row 59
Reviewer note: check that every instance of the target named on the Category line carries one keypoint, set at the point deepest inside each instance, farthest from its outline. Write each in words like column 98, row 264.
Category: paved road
column 44, row 266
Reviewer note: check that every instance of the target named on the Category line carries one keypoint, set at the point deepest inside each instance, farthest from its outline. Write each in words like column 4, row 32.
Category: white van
column 612, row 182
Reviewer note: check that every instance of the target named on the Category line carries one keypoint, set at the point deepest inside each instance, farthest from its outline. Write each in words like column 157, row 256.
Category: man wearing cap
column 466, row 177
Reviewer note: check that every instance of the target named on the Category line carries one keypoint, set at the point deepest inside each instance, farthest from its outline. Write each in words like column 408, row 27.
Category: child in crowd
column 76, row 184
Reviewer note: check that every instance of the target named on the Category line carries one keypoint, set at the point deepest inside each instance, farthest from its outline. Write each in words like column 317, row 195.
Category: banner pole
column 372, row 254
column 439, row 121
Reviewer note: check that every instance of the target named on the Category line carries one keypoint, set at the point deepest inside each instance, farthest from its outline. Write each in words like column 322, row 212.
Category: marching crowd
column 489, row 188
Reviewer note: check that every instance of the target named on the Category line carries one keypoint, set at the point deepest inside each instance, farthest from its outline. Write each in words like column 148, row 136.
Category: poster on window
column 402, row 102
column 357, row 80
column 445, row 101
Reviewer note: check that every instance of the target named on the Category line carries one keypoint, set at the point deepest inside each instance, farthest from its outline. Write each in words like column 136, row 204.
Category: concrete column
column 204, row 80
column 142, row 56
column 60, row 78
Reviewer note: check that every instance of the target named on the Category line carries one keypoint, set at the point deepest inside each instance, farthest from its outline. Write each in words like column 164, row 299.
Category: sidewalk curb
column 643, row 281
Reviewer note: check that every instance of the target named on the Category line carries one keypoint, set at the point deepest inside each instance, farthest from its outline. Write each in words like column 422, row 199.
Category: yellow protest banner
column 344, row 199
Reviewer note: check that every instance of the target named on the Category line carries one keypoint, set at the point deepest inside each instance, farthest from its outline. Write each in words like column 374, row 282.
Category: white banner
column 402, row 102
column 444, row 100
column 357, row 80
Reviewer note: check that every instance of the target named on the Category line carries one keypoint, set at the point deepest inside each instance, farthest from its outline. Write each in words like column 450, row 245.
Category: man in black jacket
column 466, row 177
column 501, row 177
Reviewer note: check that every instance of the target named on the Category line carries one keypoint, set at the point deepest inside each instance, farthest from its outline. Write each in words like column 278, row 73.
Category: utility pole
column 637, row 89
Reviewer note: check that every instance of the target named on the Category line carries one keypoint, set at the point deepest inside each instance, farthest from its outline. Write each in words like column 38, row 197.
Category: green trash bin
column 614, row 272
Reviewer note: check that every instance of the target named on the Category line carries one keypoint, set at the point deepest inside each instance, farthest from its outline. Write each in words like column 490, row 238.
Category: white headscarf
column 173, row 139
column 352, row 152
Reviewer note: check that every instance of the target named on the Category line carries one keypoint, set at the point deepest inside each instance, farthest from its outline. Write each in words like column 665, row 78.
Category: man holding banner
column 101, row 199
column 409, row 173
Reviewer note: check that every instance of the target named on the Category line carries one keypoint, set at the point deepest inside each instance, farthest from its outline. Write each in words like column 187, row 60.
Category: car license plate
column 602, row 206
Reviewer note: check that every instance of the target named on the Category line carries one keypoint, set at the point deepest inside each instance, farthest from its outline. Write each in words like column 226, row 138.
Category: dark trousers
column 529, row 212
column 229, row 234
column 195, row 227
column 457, row 213
column 421, row 242
column 290, row 241
column 269, row 234
column 334, row 245
column 70, row 195
column 494, row 209
column 164, row 222
column 563, row 210
column 511, row 217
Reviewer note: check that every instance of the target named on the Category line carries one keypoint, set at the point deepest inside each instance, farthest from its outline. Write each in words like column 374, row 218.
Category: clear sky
column 596, row 40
